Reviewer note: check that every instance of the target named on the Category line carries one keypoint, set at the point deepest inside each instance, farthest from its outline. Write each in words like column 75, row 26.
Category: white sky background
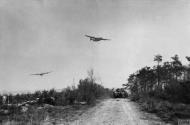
column 48, row 35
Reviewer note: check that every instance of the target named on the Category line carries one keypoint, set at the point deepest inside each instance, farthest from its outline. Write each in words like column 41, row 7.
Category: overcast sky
column 48, row 35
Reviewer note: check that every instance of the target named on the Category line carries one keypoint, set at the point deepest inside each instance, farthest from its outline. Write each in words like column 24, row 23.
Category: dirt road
column 117, row 112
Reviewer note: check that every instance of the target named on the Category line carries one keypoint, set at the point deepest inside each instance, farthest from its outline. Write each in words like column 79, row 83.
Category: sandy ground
column 117, row 112
column 105, row 112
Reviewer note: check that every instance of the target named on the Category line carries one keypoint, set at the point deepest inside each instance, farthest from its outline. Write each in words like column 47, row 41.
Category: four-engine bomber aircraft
column 41, row 74
column 96, row 39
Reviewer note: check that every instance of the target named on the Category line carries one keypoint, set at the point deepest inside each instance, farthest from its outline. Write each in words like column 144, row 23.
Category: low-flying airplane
column 41, row 74
column 96, row 39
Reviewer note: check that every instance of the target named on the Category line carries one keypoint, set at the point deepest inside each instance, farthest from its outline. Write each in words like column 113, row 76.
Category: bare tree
column 91, row 75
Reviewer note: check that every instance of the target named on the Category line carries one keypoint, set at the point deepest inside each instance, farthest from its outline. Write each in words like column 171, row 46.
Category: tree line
column 169, row 80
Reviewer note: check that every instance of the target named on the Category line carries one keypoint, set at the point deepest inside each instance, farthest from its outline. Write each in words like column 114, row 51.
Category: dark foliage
column 163, row 89
column 87, row 91
column 169, row 81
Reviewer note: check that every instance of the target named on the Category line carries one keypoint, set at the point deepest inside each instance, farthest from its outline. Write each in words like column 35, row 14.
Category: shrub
column 70, row 95
column 89, row 91
column 149, row 105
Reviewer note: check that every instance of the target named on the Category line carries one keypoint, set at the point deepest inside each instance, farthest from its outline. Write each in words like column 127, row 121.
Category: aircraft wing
column 105, row 39
column 35, row 74
column 41, row 73
column 46, row 72
column 89, row 36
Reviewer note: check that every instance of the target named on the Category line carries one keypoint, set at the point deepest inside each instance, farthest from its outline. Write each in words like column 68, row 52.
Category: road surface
column 117, row 112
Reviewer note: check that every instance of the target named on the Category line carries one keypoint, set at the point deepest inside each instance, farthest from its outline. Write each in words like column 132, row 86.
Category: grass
column 62, row 108
column 167, row 111
column 46, row 114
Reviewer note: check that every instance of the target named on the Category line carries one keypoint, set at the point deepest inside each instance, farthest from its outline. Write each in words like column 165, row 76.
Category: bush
column 178, row 92
column 149, row 104
column 134, row 97
column 89, row 91
column 70, row 95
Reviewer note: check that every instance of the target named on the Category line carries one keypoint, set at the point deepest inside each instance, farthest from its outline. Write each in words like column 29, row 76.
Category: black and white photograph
column 94, row 62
